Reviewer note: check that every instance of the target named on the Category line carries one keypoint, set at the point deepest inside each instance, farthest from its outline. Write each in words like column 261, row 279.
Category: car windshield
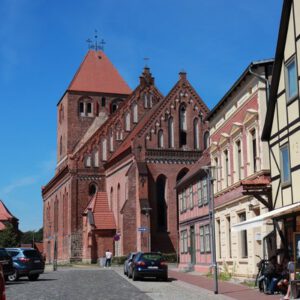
column 31, row 253
column 152, row 256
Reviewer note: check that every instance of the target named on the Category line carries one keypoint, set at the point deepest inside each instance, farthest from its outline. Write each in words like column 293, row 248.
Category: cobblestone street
column 94, row 283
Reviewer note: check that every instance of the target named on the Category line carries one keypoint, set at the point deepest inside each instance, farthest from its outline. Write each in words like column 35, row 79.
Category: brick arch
column 161, row 202
column 181, row 173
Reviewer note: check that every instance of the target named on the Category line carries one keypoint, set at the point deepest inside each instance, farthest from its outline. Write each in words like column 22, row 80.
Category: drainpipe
column 263, row 79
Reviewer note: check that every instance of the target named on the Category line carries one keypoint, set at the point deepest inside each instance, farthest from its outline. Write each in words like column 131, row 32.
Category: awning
column 259, row 220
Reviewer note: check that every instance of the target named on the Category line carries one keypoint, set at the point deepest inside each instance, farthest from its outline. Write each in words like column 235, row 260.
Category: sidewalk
column 235, row 291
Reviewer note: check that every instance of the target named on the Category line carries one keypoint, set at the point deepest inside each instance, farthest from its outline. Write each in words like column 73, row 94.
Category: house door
column 192, row 245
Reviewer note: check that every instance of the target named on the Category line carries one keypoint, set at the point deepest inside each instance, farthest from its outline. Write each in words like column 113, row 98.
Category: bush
column 119, row 260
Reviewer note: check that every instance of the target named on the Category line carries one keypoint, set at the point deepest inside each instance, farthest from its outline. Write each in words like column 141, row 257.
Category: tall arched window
column 145, row 100
column 92, row 189
column 111, row 141
column 56, row 215
column 104, row 149
column 182, row 126
column 96, row 158
column 171, row 132
column 161, row 203
column 127, row 121
column 196, row 134
column 160, row 138
column 65, row 212
column 135, row 113
column 206, row 140
column 118, row 202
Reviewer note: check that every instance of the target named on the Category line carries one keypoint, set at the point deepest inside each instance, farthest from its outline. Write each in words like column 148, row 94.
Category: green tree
column 28, row 236
column 8, row 237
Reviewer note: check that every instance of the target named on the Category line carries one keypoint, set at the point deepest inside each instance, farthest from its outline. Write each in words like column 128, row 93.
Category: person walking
column 108, row 256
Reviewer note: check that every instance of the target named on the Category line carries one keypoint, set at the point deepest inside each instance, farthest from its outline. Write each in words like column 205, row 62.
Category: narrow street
column 93, row 283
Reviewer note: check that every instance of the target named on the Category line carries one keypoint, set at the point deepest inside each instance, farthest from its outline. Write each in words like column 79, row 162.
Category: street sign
column 142, row 229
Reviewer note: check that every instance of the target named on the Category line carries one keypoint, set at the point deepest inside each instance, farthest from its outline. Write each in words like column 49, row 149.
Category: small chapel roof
column 103, row 217
column 97, row 74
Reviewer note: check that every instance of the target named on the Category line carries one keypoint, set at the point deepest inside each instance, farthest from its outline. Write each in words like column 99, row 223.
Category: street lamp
column 209, row 170
column 147, row 210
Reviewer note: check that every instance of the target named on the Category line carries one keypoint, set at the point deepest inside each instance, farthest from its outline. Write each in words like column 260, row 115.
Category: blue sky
column 43, row 43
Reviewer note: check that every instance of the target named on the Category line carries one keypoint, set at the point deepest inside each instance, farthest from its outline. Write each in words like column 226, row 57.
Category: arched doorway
column 161, row 203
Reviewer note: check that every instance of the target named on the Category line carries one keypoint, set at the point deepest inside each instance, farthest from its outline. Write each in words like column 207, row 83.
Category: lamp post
column 209, row 170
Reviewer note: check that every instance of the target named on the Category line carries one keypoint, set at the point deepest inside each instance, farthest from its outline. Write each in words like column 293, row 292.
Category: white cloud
column 22, row 182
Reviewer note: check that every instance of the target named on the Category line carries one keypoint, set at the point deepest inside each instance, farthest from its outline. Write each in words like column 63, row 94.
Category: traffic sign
column 142, row 229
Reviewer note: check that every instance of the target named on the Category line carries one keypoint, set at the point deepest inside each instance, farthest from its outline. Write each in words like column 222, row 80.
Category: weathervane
column 95, row 45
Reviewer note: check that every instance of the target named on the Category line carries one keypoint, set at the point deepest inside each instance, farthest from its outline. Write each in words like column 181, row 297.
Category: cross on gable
column 95, row 44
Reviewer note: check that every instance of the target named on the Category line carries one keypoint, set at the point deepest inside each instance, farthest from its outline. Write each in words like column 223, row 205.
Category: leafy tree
column 28, row 236
column 8, row 237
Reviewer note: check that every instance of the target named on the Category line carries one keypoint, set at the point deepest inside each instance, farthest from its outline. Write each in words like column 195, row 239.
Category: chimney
column 182, row 75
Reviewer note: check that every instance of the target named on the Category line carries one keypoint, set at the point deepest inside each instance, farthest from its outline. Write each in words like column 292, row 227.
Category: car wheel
column 14, row 276
column 33, row 277
column 134, row 276
column 129, row 274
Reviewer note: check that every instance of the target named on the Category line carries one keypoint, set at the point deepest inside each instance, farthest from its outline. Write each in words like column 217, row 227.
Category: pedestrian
column 108, row 256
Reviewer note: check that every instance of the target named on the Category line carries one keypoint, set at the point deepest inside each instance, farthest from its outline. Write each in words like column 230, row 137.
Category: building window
column 226, row 167
column 96, row 159
column 171, row 132
column 206, row 140
column 253, row 150
column 285, row 165
column 104, row 149
column 135, row 113
column 160, row 138
column 204, row 191
column 199, row 193
column 196, row 134
column 216, row 165
column 219, row 239
column 180, row 202
column 205, row 239
column 191, row 196
column 228, row 236
column 238, row 159
column 92, row 189
column 88, row 161
column 291, row 77
column 184, row 241
column 243, row 237
column 111, row 141
column 127, row 121
column 85, row 108
column 56, row 215
column 184, row 200
column 145, row 100
column 182, row 126
column 103, row 102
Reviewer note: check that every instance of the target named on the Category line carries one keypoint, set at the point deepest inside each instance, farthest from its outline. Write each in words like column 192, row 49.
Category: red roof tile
column 97, row 74
column 103, row 216
column 5, row 214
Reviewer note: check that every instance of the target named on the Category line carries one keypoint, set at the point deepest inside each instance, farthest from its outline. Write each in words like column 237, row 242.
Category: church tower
column 95, row 92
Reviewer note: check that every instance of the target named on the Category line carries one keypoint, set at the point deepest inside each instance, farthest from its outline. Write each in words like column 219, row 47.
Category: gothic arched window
column 111, row 141
column 206, row 140
column 127, row 121
column 104, row 149
column 171, row 132
column 182, row 126
column 135, row 113
column 160, row 137
column 196, row 134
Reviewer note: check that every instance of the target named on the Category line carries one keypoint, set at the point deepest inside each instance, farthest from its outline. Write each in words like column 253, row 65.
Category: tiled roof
column 97, row 74
column 257, row 181
column 103, row 216
column 5, row 214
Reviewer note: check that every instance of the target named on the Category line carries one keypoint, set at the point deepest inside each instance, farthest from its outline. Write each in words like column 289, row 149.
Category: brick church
column 119, row 155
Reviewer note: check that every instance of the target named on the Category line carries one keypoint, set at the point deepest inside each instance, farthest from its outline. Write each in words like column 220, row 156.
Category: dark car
column 149, row 264
column 128, row 261
column 26, row 262
column 6, row 262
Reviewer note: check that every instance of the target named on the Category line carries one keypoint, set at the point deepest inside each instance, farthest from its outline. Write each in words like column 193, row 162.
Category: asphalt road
column 95, row 283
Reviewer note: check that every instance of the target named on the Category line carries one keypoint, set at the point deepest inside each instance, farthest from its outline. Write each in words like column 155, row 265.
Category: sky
column 43, row 43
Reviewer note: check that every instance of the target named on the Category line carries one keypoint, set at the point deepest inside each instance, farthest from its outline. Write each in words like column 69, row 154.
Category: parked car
column 128, row 261
column 149, row 264
column 6, row 263
column 2, row 284
column 26, row 262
